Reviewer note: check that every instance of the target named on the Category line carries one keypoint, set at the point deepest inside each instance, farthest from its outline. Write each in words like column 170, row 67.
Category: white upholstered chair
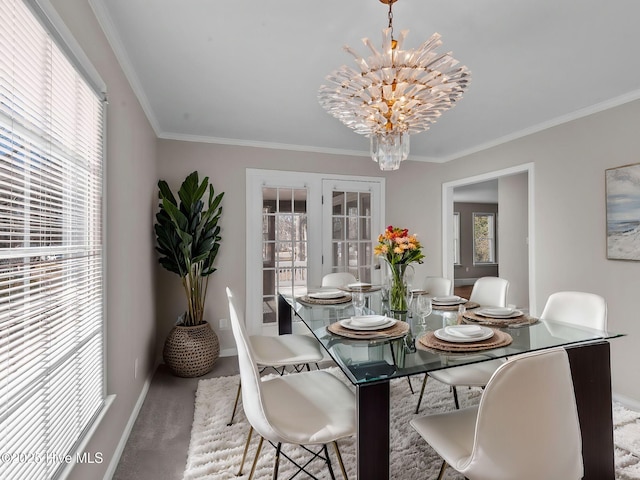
column 487, row 291
column 526, row 426
column 312, row 408
column 577, row 308
column 490, row 292
column 280, row 352
column 438, row 286
column 338, row 279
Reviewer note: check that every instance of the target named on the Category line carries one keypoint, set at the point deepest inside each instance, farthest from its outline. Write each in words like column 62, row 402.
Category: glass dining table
column 371, row 363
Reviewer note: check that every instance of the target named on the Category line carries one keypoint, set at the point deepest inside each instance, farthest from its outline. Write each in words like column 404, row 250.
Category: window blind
column 51, row 265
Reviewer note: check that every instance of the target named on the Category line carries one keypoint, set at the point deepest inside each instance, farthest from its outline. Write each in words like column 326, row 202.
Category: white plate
column 369, row 320
column 464, row 331
column 359, row 285
column 499, row 312
column 346, row 323
column 443, row 335
column 438, row 301
column 326, row 294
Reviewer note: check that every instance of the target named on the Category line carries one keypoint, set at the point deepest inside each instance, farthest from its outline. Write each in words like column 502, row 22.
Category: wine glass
column 357, row 298
column 424, row 307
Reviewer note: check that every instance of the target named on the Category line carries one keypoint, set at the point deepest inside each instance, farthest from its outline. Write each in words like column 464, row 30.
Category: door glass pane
column 351, row 221
column 284, row 247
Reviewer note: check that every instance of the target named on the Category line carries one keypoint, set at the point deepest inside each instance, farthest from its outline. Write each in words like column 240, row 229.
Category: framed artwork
column 623, row 212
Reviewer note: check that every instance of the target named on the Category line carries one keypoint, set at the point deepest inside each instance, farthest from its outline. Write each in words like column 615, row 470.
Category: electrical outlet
column 224, row 323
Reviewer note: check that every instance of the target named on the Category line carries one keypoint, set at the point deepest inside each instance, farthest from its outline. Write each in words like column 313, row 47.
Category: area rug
column 215, row 449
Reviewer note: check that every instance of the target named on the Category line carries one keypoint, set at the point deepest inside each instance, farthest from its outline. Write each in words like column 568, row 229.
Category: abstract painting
column 623, row 212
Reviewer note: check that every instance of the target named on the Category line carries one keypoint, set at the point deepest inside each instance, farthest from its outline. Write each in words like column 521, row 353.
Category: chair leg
column 424, row 384
column 255, row 460
column 276, row 464
column 410, row 386
column 244, row 454
column 326, row 455
column 442, row 469
column 455, row 398
column 235, row 404
column 340, row 462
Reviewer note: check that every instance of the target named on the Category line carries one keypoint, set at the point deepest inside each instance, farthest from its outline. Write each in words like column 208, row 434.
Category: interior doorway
column 515, row 235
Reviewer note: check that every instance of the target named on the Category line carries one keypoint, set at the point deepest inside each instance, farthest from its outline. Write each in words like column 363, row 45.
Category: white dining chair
column 577, row 308
column 338, row 279
column 526, row 426
column 487, row 291
column 438, row 286
column 490, row 292
column 293, row 351
column 312, row 408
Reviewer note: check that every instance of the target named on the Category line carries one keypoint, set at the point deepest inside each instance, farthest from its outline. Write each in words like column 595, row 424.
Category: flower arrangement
column 396, row 246
column 398, row 249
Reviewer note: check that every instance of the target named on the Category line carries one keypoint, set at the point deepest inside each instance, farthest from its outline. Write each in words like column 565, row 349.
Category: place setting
column 369, row 327
column 360, row 287
column 332, row 296
column 452, row 303
column 500, row 317
column 464, row 338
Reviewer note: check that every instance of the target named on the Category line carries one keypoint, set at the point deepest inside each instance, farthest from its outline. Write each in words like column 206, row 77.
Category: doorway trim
column 447, row 220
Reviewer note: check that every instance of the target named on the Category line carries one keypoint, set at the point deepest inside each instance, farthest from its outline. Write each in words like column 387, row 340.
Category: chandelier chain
column 390, row 16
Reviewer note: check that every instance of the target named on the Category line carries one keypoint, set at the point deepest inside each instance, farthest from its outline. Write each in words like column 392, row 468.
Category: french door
column 300, row 227
column 351, row 221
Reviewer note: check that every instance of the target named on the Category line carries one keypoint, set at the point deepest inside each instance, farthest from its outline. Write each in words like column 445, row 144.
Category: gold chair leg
column 255, row 460
column 442, row 469
column 235, row 405
column 424, row 384
column 244, row 454
column 340, row 462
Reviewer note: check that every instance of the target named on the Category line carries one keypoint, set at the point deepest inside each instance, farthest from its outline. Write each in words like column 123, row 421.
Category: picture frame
column 622, row 190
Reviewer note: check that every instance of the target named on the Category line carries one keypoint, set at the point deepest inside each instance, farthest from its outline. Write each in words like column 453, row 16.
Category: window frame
column 491, row 238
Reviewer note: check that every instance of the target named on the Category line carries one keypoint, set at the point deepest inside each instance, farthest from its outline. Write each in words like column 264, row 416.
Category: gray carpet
column 158, row 444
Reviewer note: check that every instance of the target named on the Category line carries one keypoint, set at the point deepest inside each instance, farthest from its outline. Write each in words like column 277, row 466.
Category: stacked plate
column 326, row 294
column 498, row 312
column 367, row 322
column 463, row 333
column 448, row 300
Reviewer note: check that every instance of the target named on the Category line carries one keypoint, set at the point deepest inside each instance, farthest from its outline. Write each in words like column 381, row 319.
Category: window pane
column 483, row 237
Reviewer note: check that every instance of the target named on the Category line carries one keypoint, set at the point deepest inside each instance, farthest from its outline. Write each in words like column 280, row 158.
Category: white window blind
column 51, row 266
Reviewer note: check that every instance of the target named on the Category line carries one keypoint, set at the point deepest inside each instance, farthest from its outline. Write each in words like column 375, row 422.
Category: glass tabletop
column 370, row 360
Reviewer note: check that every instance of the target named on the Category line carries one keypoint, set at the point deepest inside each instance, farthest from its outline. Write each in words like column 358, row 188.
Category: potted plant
column 188, row 240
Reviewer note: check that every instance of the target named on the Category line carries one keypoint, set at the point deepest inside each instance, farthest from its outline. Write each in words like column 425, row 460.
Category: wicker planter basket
column 191, row 351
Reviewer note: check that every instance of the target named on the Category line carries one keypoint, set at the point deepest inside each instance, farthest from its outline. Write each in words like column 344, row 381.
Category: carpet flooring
column 215, row 449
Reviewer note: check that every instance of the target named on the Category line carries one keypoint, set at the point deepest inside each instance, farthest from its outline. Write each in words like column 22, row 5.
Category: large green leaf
column 187, row 233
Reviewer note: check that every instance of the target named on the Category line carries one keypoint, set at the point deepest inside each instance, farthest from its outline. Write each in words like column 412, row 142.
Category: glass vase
column 398, row 289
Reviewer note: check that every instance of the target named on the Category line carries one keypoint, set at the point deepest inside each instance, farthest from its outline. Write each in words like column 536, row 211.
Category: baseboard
column 228, row 352
column 115, row 459
column 630, row 403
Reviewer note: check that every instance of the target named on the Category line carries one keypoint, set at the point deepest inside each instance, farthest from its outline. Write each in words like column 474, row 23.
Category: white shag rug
column 215, row 449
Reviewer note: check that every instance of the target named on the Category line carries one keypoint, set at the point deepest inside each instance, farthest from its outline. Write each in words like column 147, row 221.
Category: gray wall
column 513, row 236
column 466, row 272
column 130, row 259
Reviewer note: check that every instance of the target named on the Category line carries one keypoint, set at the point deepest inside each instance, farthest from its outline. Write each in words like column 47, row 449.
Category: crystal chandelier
column 394, row 93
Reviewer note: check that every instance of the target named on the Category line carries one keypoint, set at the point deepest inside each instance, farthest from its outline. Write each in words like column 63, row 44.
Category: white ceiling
column 247, row 72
